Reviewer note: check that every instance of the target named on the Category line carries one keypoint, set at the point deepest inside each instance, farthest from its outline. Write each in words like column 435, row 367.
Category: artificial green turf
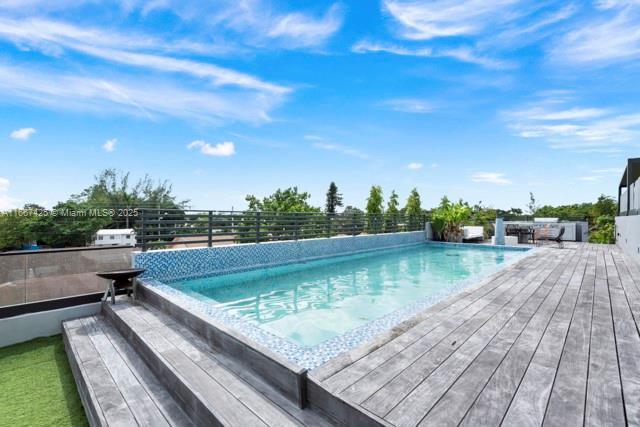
column 37, row 386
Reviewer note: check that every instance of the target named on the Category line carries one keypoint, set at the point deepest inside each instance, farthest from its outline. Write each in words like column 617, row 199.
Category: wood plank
column 457, row 324
column 566, row 404
column 529, row 404
column 360, row 361
column 140, row 404
column 454, row 404
column 604, row 404
column 418, row 403
column 389, row 397
column 493, row 402
column 270, row 413
column 627, row 343
column 113, row 406
column 224, row 406
column 395, row 337
column 158, row 393
column 304, row 416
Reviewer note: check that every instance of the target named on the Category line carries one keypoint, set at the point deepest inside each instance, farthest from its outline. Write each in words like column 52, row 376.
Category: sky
column 480, row 100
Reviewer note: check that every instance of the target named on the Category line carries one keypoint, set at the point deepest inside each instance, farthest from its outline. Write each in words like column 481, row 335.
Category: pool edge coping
column 307, row 357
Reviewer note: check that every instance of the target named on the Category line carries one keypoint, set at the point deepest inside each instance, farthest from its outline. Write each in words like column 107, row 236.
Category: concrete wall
column 628, row 235
column 189, row 263
column 26, row 327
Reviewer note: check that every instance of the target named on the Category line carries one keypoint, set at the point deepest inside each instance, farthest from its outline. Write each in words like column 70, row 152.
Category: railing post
column 210, row 230
column 142, row 231
column 328, row 219
column 258, row 227
column 353, row 225
column 295, row 226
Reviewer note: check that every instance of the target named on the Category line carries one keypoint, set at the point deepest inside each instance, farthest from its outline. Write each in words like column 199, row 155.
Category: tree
column 532, row 206
column 392, row 205
column 279, row 223
column 391, row 216
column 413, row 209
column 287, row 200
column 603, row 230
column 375, row 209
column 375, row 201
column 112, row 189
column 75, row 221
column 334, row 198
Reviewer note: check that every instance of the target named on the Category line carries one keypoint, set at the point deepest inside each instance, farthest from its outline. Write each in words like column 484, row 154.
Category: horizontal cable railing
column 158, row 228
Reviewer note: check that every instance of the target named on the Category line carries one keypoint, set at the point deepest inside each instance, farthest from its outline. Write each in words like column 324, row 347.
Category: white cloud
column 573, row 127
column 471, row 56
column 446, row 18
column 497, row 178
column 414, row 166
column 110, row 145
column 313, row 138
column 365, row 46
column 409, row 105
column 53, row 38
column 613, row 35
column 300, row 30
column 589, row 178
column 609, row 171
column 461, row 53
column 6, row 202
column 257, row 23
column 22, row 134
column 434, row 165
column 141, row 95
column 341, row 149
column 223, row 149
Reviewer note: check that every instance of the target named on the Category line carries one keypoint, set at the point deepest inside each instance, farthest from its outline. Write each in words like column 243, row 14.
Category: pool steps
column 155, row 363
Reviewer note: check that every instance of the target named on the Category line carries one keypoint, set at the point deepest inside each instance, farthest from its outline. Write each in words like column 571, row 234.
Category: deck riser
column 190, row 402
column 338, row 409
column 289, row 380
column 88, row 403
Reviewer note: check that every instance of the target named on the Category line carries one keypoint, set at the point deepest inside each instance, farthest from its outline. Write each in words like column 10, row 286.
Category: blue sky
column 484, row 100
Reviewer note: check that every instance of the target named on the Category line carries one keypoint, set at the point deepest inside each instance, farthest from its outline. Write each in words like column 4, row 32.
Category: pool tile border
column 181, row 264
column 312, row 357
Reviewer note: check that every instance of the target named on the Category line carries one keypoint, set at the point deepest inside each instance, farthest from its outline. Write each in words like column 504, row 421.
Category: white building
column 118, row 236
column 628, row 219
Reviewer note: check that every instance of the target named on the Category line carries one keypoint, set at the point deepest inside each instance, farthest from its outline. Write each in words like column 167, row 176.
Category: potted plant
column 450, row 217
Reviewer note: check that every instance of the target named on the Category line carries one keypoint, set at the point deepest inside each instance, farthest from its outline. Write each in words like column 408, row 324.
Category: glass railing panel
column 12, row 280
column 51, row 275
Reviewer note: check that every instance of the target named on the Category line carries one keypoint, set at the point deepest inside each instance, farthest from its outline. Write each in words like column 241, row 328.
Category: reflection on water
column 312, row 302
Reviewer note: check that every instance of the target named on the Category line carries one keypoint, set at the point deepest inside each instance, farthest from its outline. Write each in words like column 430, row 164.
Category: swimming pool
column 311, row 306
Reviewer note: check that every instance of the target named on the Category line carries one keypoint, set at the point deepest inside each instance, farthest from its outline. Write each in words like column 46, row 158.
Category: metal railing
column 159, row 228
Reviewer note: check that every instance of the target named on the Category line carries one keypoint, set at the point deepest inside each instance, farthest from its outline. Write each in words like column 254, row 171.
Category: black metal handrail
column 157, row 228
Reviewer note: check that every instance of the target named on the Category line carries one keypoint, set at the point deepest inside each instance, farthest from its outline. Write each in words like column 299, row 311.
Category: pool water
column 309, row 303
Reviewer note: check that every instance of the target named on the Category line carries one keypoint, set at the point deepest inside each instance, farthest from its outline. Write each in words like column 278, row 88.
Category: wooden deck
column 551, row 340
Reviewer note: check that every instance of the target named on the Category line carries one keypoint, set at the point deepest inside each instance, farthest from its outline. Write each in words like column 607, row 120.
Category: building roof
column 115, row 231
column 632, row 170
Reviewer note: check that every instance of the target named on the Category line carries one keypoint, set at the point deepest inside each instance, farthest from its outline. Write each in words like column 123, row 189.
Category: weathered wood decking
column 551, row 340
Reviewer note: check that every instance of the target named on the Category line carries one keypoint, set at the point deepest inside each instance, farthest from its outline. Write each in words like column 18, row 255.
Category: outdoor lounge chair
column 544, row 236
column 473, row 233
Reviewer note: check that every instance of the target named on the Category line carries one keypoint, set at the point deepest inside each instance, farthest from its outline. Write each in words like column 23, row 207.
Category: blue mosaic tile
column 288, row 252
column 178, row 264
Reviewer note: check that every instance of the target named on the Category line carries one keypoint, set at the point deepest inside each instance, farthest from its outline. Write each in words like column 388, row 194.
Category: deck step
column 116, row 387
column 209, row 385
